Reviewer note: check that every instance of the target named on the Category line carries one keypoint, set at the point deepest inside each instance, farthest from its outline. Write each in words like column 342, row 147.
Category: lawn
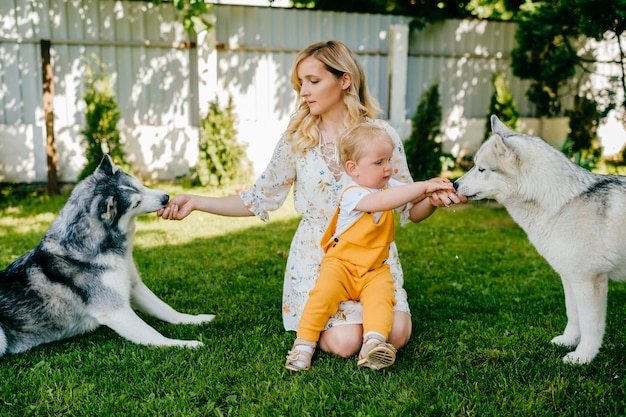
column 484, row 304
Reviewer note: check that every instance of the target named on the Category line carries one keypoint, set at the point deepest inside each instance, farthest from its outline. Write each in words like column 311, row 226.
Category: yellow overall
column 353, row 268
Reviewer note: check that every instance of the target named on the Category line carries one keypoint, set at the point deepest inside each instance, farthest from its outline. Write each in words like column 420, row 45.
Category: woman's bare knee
column 401, row 329
column 343, row 340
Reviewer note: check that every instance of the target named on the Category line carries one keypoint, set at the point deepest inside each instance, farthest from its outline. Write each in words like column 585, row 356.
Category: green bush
column 423, row 149
column 581, row 145
column 102, row 115
column 222, row 160
column 502, row 104
column 584, row 120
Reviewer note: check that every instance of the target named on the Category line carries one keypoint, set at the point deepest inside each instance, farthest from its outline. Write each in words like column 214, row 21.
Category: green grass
column 484, row 305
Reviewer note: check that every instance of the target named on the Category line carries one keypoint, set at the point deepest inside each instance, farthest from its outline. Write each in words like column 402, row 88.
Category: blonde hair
column 352, row 143
column 338, row 59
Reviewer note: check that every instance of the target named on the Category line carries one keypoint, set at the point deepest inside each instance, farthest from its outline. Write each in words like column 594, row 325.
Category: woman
column 332, row 96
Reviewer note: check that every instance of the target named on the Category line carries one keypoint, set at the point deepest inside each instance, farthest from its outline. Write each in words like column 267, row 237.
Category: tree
column 423, row 149
column 100, row 134
column 222, row 160
column 552, row 39
column 193, row 13
column 495, row 9
column 546, row 54
column 424, row 11
column 605, row 21
column 584, row 120
column 501, row 104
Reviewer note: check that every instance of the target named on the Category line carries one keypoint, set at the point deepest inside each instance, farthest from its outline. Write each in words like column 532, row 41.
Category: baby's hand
column 438, row 184
column 446, row 196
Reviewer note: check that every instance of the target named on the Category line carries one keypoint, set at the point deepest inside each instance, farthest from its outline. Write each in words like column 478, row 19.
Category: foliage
column 484, row 305
column 622, row 157
column 494, row 9
column 545, row 54
column 423, row 148
column 582, row 145
column 194, row 13
column 501, row 104
column 582, row 158
column 551, row 39
column 416, row 8
column 102, row 114
column 17, row 193
column 599, row 17
column 551, row 36
column 423, row 12
column 222, row 160
column 606, row 20
column 584, row 120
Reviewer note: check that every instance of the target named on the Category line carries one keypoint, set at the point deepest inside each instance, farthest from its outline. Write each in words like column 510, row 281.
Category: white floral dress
column 316, row 195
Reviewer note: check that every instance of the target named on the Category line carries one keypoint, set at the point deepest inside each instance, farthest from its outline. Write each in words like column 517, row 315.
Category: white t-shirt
column 351, row 198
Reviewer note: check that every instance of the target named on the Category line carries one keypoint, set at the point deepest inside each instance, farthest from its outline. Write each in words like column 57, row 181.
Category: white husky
column 82, row 274
column 576, row 219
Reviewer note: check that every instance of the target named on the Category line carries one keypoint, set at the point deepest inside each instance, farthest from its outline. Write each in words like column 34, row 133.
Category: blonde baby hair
column 351, row 143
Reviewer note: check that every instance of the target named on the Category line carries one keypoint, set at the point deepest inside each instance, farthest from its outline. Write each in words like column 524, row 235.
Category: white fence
column 147, row 53
column 163, row 79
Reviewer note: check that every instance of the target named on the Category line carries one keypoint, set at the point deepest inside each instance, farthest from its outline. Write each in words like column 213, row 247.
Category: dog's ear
column 107, row 167
column 108, row 209
column 499, row 146
column 505, row 149
column 498, row 127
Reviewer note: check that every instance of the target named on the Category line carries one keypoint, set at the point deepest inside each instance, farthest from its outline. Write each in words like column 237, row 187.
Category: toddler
column 356, row 246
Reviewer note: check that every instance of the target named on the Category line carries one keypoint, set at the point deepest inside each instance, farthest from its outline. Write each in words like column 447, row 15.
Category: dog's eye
column 137, row 204
column 481, row 169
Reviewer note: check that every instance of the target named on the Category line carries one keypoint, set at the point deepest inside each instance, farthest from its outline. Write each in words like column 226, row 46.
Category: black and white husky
column 82, row 274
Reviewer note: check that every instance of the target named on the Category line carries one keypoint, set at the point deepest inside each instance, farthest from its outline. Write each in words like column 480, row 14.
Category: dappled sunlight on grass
column 25, row 224
column 20, row 234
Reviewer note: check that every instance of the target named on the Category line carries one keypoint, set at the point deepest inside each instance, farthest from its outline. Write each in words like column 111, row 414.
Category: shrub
column 222, row 160
column 584, row 120
column 102, row 115
column 577, row 157
column 423, row 149
column 502, row 105
column 581, row 146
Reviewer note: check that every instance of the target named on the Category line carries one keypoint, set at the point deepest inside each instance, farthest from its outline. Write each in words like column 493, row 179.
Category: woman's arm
column 182, row 205
column 268, row 193
column 421, row 210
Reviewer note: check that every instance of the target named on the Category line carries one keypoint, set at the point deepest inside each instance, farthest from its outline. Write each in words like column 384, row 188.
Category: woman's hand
column 446, row 198
column 177, row 208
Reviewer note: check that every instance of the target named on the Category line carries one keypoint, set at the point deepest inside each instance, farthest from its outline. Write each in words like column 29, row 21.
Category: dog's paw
column 202, row 318
column 192, row 344
column 182, row 318
column 574, row 358
column 563, row 340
